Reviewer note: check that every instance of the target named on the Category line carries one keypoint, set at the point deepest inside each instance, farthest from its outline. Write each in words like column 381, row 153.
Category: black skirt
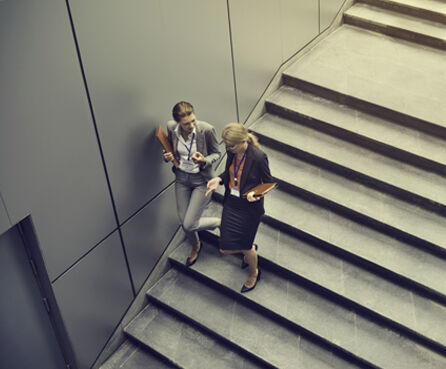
column 239, row 223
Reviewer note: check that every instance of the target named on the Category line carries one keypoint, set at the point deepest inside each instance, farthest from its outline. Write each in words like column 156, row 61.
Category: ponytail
column 253, row 140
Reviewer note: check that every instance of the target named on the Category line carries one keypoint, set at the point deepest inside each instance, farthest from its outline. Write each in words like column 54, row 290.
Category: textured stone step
column 393, row 216
column 254, row 332
column 397, row 303
column 400, row 261
column 183, row 344
column 130, row 356
column 300, row 305
column 411, row 183
column 395, row 140
column 434, row 10
column 397, row 80
column 396, row 24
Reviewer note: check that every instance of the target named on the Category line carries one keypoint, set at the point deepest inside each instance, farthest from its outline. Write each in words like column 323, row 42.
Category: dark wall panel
column 49, row 159
column 140, row 58
column 147, row 234
column 93, row 296
column 5, row 223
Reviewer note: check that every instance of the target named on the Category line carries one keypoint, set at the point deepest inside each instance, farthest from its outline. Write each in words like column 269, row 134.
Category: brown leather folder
column 164, row 141
column 262, row 189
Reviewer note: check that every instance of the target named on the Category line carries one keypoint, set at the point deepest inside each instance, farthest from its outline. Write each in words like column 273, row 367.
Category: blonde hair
column 235, row 133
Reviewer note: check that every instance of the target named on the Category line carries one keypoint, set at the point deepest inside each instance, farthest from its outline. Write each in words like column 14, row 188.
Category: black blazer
column 255, row 171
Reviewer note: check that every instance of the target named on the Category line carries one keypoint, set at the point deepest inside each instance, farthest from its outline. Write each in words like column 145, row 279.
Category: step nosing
column 307, row 325
column 300, row 107
column 353, row 158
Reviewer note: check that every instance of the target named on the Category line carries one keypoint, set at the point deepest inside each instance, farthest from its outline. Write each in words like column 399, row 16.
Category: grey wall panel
column 27, row 337
column 300, row 24
column 257, row 44
column 329, row 9
column 140, row 58
column 147, row 234
column 5, row 222
column 92, row 297
column 49, row 159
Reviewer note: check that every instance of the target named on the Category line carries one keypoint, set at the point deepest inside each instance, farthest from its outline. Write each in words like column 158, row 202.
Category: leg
column 183, row 193
column 254, row 271
column 193, row 221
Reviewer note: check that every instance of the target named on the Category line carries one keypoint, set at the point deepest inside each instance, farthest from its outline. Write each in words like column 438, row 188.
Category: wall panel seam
column 93, row 117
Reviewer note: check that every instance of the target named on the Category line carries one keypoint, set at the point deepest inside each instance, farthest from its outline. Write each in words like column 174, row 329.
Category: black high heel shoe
column 246, row 289
column 190, row 263
column 244, row 265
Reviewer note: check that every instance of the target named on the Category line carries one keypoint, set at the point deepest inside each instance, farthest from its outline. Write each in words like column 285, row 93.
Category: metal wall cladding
column 140, row 58
column 265, row 33
column 93, row 296
column 148, row 233
column 5, row 222
column 50, row 164
column 328, row 11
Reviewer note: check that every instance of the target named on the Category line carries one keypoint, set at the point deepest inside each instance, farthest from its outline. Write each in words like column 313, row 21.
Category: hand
column 198, row 157
column 251, row 198
column 212, row 185
column 168, row 156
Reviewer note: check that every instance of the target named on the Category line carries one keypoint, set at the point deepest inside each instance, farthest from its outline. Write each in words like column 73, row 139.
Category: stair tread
column 428, row 185
column 183, row 344
column 389, row 253
column 400, row 304
column 397, row 20
column 300, row 305
column 366, row 125
column 437, row 6
column 131, row 356
column 278, row 345
column 400, row 76
column 384, row 208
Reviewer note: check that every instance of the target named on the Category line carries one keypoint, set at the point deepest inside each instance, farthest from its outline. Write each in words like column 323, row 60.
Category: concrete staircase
column 353, row 243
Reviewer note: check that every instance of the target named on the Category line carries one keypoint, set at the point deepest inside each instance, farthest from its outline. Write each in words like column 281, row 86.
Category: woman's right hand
column 168, row 156
column 213, row 185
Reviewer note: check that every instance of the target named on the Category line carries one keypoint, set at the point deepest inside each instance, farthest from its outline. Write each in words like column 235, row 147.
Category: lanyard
column 236, row 168
column 189, row 148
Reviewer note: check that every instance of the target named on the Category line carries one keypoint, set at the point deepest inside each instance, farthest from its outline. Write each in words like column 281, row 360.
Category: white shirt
column 187, row 165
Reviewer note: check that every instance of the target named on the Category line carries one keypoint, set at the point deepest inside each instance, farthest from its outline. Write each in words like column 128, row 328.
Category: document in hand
column 162, row 138
column 262, row 189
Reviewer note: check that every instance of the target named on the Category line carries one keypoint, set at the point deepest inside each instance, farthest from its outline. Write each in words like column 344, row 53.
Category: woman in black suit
column 246, row 167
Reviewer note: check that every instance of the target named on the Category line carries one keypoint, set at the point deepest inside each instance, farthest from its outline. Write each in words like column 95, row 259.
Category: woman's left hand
column 251, row 198
column 198, row 158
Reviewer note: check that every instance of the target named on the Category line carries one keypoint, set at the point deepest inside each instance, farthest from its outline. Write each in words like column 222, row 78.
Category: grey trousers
column 190, row 190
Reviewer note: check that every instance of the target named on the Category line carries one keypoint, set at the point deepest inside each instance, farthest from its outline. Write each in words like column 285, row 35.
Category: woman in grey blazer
column 195, row 147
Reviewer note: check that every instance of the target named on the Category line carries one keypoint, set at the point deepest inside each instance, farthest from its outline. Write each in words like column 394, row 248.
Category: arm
column 212, row 148
column 265, row 172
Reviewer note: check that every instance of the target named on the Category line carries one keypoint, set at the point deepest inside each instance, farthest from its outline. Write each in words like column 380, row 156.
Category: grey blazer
column 207, row 144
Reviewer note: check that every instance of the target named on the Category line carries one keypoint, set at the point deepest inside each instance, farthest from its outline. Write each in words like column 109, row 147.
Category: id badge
column 235, row 192
column 187, row 165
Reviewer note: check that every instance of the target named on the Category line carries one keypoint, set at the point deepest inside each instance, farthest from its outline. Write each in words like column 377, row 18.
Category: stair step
column 395, row 24
column 434, row 10
column 385, row 298
column 276, row 344
column 301, row 306
column 332, row 233
column 372, row 207
column 382, row 75
column 131, row 356
column 183, row 344
column 411, row 183
column 382, row 135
